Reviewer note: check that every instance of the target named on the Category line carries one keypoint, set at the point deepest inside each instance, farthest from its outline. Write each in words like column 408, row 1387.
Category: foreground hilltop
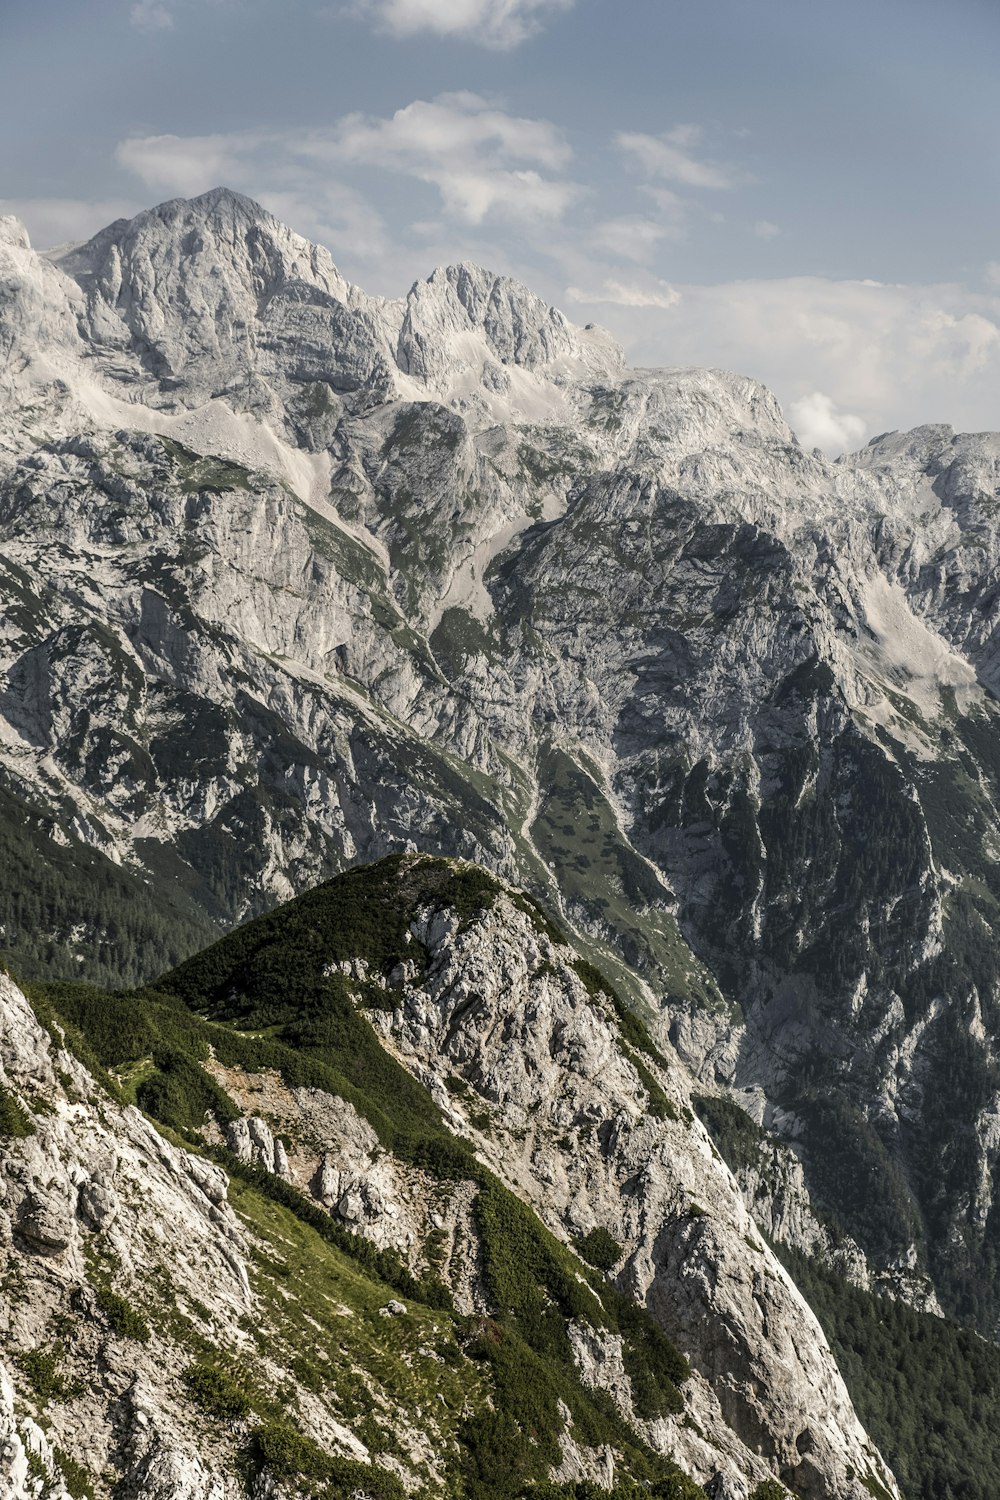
column 415, row 1203
column 295, row 578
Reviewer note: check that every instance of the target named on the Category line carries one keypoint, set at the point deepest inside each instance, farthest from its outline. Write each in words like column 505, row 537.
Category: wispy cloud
column 485, row 164
column 765, row 230
column 151, row 15
column 628, row 294
column 673, row 156
column 635, row 237
column 499, row 24
column 846, row 357
column 483, row 161
column 189, row 164
column 459, row 176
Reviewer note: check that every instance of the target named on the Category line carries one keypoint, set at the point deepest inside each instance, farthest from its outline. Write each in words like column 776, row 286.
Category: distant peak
column 218, row 201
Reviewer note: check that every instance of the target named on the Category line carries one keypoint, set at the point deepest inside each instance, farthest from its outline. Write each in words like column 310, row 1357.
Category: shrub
column 290, row 1455
column 181, row 1093
column 599, row 1249
column 216, row 1391
column 122, row 1317
column 75, row 1477
column 43, row 1370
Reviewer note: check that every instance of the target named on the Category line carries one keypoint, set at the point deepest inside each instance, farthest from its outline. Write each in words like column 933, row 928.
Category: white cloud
column 151, row 15
column 993, row 274
column 450, row 127
column 458, row 177
column 884, row 356
column 187, row 164
column 491, row 23
column 624, row 294
column 672, row 156
column 484, row 163
column 819, row 423
column 765, row 230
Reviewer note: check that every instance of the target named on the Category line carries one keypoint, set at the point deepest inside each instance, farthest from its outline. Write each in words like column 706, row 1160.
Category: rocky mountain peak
column 185, row 284
column 466, row 317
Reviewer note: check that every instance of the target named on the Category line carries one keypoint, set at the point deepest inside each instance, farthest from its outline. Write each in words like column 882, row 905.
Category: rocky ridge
column 142, row 1286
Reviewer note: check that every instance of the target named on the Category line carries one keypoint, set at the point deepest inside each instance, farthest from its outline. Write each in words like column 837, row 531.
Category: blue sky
column 807, row 193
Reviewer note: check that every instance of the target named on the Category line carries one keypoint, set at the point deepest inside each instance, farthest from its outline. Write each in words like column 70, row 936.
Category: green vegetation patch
column 43, row 1370
column 577, row 833
column 599, row 1249
column 15, row 1123
column 927, row 1390
column 217, row 1391
column 738, row 1138
column 48, row 891
column 122, row 1317
column 75, row 1477
column 286, row 1453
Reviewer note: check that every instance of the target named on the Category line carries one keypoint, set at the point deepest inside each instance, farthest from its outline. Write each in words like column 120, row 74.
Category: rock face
column 294, row 577
column 96, row 1209
column 570, row 1128
column 150, row 1308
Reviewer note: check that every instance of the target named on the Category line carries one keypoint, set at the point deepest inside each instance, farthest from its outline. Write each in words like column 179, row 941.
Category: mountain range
column 297, row 579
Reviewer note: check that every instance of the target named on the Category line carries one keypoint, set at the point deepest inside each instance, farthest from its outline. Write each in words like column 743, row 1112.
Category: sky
column 806, row 193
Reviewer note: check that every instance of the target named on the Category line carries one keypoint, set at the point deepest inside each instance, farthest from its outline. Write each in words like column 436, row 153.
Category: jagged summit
column 214, row 297
column 517, row 329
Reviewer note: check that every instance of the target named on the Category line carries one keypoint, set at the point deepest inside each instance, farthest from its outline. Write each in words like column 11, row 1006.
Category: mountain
column 425, row 1207
column 296, row 578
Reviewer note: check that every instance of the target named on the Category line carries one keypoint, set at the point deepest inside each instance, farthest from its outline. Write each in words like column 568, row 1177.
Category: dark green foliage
column 535, row 1288
column 122, row 1317
column 181, row 1094
column 15, row 1124
column 135, row 929
column 738, row 1138
column 660, row 1106
column 855, row 1175
column 927, row 1390
column 769, row 1489
column 677, row 1486
column 274, row 974
column 672, row 1485
column 43, row 1371
column 518, row 1440
column 630, row 1026
column 289, row 1455
column 540, row 918
column 278, row 976
column 599, row 1249
column 655, row 1368
column 216, row 1391
column 78, row 1482
column 528, row 1275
